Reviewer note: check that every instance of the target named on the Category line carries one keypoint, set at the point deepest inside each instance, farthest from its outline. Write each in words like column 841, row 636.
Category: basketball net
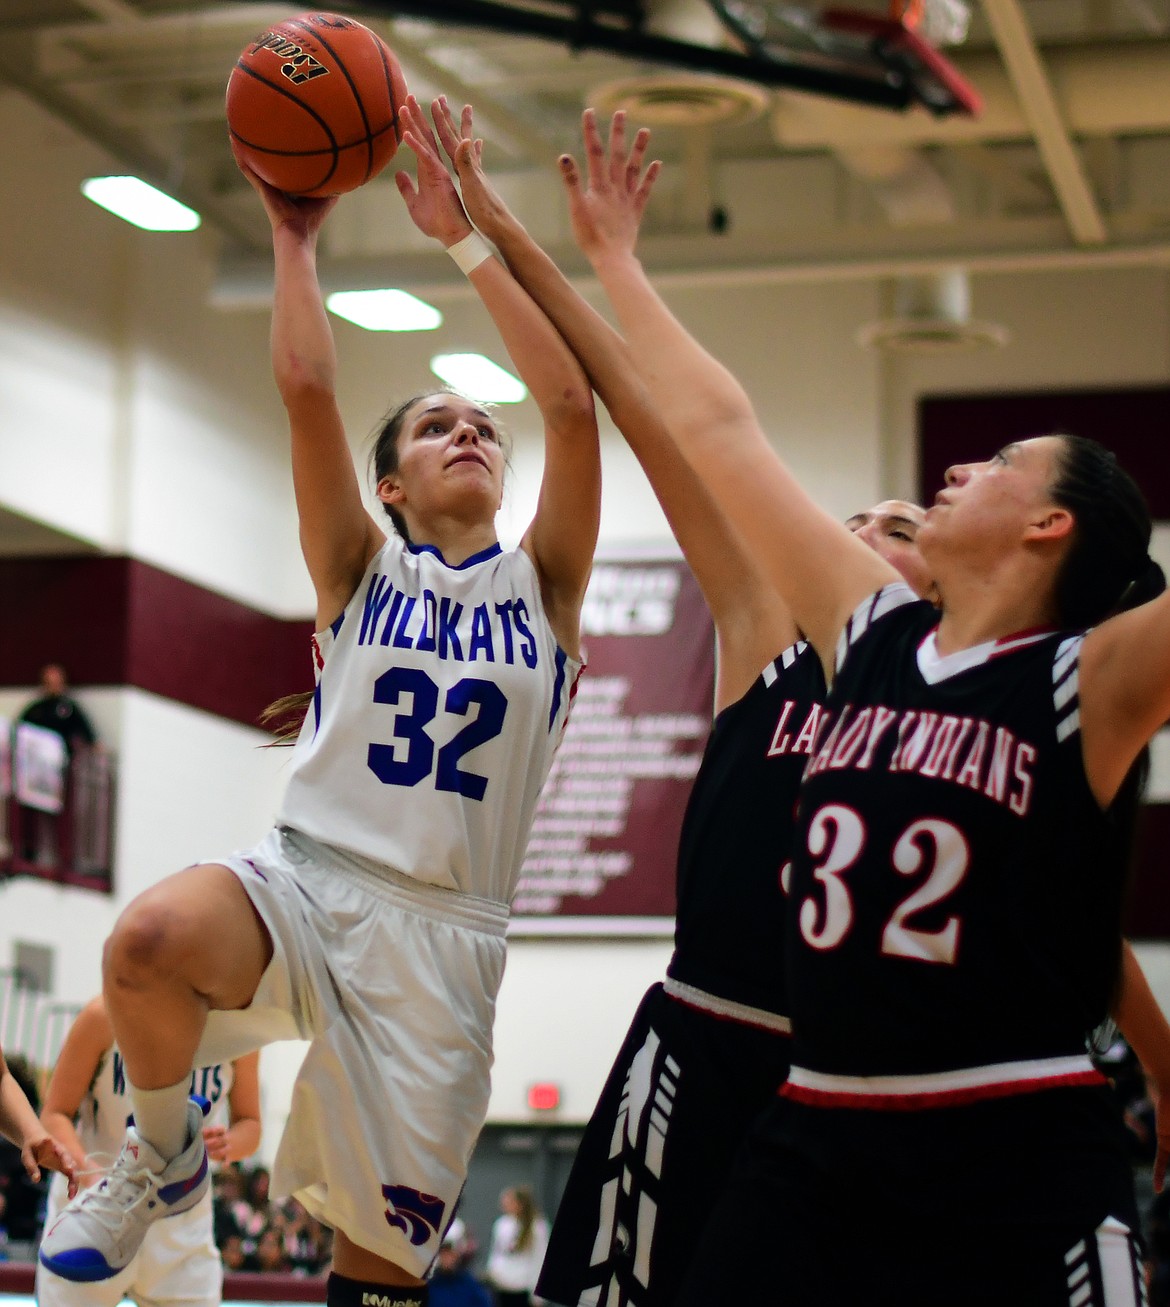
column 941, row 22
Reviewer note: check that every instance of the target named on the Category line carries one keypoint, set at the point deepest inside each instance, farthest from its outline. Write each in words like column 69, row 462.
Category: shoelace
column 111, row 1192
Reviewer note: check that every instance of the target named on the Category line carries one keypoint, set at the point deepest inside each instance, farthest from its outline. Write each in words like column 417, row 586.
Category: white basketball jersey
column 441, row 698
column 106, row 1107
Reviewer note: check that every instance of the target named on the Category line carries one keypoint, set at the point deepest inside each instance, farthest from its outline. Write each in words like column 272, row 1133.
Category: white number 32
column 836, row 837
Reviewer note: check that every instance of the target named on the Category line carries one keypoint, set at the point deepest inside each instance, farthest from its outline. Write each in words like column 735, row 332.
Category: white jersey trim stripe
column 890, row 597
column 936, row 667
column 1067, row 725
column 1115, row 1255
column 1067, row 689
column 726, row 1008
column 938, row 1088
column 1066, row 677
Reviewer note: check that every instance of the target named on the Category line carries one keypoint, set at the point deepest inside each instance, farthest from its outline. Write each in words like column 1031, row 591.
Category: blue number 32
column 410, row 728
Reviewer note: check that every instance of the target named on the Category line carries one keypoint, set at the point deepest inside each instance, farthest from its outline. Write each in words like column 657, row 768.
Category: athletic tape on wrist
column 470, row 252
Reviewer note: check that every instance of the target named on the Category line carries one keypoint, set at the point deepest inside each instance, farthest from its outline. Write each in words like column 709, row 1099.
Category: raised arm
column 810, row 559
column 90, row 1037
column 1144, row 1026
column 752, row 624
column 338, row 536
column 1124, row 692
column 563, row 533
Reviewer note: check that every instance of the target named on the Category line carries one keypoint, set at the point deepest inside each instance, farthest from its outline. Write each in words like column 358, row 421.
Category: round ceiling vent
column 931, row 314
column 682, row 101
column 931, row 335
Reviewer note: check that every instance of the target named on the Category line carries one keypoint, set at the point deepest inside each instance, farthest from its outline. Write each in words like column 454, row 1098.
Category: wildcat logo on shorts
column 417, row 1215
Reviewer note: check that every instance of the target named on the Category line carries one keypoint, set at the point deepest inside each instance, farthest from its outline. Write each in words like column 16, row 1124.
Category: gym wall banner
column 601, row 860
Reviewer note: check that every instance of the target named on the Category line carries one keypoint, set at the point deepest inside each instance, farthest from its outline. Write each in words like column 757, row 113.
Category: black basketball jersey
column 737, row 834
column 955, row 894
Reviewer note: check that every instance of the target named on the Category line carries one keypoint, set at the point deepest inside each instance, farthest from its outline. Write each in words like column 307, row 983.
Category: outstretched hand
column 433, row 203
column 607, row 213
column 484, row 206
column 45, row 1151
column 301, row 214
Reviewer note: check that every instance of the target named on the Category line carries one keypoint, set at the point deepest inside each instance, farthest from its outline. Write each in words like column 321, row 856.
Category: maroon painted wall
column 118, row 621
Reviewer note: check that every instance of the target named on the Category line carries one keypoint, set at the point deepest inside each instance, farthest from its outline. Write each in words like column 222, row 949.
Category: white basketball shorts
column 395, row 983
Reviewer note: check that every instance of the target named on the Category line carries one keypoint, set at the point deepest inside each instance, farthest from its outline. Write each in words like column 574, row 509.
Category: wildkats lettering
column 388, row 1300
column 436, row 624
column 966, row 751
column 298, row 67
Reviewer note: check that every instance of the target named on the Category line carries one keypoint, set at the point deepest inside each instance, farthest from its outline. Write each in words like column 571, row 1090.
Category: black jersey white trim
column 726, row 1007
column 1066, row 686
column 782, row 662
column 1106, row 1271
column 936, row 667
column 938, row 1088
column 890, row 597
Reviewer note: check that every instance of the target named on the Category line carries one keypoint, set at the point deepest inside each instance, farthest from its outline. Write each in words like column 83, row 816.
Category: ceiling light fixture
column 479, row 378
column 384, row 310
column 140, row 203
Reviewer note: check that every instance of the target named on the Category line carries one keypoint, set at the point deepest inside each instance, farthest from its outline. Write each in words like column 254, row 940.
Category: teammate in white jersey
column 372, row 920
column 86, row 1109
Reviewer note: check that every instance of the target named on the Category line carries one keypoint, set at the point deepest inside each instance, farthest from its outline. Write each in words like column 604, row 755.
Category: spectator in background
column 257, row 1215
column 270, row 1255
column 231, row 1253
column 519, row 1240
column 304, row 1240
column 56, row 710
column 452, row 1284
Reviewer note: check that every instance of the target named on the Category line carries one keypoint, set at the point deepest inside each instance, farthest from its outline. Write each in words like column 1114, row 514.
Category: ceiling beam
column 245, row 282
column 113, row 11
column 1038, row 102
column 518, row 133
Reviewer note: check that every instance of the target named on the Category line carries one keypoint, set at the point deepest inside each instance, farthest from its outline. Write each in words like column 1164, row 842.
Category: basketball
column 312, row 105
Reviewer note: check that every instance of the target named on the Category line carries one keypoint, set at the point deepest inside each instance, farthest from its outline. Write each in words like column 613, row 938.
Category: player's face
column 990, row 507
column 450, row 461
column 891, row 530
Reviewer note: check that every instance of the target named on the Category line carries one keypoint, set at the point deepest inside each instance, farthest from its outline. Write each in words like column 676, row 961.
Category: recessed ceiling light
column 140, row 203
column 384, row 310
column 479, row 378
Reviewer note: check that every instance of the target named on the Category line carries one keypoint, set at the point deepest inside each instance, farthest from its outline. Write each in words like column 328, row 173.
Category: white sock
column 160, row 1116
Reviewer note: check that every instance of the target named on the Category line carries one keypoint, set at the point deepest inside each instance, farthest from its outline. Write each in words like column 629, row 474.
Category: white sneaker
column 102, row 1229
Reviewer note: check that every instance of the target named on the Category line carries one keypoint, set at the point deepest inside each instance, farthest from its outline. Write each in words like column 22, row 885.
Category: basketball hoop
column 941, row 22
column 903, row 46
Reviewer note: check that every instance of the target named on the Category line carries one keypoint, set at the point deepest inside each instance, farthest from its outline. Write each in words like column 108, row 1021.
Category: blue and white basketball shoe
column 102, row 1229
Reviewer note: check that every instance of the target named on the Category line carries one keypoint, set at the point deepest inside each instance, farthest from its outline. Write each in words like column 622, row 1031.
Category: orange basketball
column 312, row 105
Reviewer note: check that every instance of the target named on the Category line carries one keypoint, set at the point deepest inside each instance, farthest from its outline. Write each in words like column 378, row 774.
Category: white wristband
column 470, row 252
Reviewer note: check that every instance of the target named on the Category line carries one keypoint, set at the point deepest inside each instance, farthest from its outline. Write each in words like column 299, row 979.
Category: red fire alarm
column 544, row 1097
